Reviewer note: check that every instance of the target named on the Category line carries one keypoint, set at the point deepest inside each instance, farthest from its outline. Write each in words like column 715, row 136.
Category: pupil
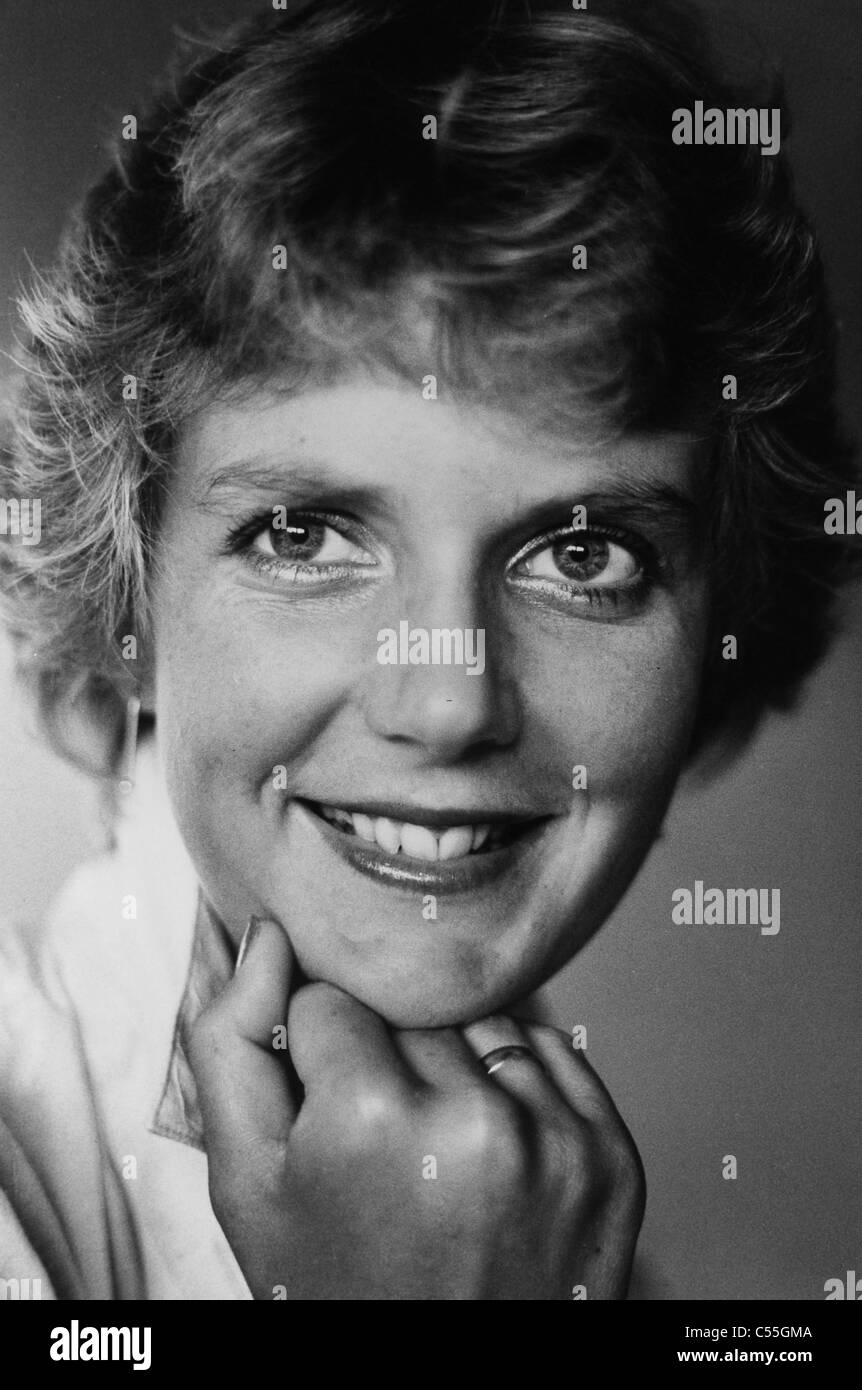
column 581, row 560
column 292, row 539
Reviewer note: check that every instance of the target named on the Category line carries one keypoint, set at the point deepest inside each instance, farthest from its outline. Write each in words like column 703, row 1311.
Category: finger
column 235, row 1051
column 582, row 1089
column 439, row 1057
column 493, row 1031
column 521, row 1076
column 337, row 1043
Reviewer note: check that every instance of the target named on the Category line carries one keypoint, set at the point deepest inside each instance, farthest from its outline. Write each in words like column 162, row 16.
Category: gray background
column 713, row 1040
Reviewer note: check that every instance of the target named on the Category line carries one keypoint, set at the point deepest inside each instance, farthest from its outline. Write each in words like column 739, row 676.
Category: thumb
column 237, row 1047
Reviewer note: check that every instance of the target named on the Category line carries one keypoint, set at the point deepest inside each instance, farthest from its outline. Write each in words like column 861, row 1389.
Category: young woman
column 414, row 415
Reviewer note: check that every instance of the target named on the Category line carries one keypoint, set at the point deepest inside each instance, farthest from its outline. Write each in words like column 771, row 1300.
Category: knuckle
column 493, row 1132
column 369, row 1115
column 311, row 1001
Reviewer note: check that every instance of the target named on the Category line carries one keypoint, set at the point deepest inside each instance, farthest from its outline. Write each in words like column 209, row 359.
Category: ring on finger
column 499, row 1056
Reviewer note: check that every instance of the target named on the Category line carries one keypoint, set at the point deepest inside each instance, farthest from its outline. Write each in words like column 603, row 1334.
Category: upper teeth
column 420, row 841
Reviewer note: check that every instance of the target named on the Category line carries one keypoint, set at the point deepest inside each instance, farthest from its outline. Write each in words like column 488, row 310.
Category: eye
column 305, row 540
column 299, row 547
column 588, row 560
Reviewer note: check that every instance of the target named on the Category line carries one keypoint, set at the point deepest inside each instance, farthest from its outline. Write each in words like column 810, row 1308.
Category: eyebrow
column 642, row 498
column 307, row 479
column 662, row 503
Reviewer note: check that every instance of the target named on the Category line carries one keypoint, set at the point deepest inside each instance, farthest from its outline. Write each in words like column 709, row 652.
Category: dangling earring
column 129, row 755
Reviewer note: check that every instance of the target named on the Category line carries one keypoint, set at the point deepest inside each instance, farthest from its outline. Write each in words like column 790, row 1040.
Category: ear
column 84, row 720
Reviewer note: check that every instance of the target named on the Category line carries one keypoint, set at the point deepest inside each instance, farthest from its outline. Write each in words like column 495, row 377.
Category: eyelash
column 648, row 558
column 240, row 538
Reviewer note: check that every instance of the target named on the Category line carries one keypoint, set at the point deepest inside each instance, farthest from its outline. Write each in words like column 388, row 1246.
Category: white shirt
column 103, row 1178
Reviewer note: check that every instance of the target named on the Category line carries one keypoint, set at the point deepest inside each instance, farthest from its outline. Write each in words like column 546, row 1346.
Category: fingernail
column 248, row 937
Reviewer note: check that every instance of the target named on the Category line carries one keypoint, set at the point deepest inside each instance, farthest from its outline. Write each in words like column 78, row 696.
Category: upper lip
column 425, row 815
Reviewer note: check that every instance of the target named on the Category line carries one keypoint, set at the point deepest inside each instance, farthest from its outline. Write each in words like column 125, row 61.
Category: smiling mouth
column 424, row 842
column 450, row 852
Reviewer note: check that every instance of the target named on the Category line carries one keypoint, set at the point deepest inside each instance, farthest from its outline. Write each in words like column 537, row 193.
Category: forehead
column 387, row 434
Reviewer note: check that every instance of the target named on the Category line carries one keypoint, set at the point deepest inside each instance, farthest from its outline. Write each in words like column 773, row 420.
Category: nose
column 449, row 691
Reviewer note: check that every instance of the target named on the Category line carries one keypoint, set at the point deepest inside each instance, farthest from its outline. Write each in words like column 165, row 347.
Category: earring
column 129, row 755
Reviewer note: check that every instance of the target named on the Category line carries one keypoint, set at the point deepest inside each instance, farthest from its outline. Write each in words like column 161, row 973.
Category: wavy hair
column 303, row 129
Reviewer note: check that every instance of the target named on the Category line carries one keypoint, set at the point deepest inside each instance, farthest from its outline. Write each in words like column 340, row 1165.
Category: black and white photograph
column 431, row 663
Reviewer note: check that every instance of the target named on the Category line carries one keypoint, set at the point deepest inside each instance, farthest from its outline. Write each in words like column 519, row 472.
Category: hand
column 406, row 1171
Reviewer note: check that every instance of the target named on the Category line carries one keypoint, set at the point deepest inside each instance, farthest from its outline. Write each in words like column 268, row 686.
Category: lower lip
column 441, row 876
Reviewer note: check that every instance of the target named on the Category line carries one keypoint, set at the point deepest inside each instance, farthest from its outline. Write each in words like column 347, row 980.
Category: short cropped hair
column 307, row 129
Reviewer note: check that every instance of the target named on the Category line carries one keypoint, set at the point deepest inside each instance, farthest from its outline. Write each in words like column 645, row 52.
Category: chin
column 419, row 1000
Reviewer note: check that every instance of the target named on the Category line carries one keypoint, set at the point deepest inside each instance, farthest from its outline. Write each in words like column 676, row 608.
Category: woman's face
column 436, row 836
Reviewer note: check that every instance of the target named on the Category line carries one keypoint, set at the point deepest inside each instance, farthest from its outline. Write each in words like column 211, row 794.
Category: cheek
column 620, row 701
column 240, row 689
column 650, row 708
